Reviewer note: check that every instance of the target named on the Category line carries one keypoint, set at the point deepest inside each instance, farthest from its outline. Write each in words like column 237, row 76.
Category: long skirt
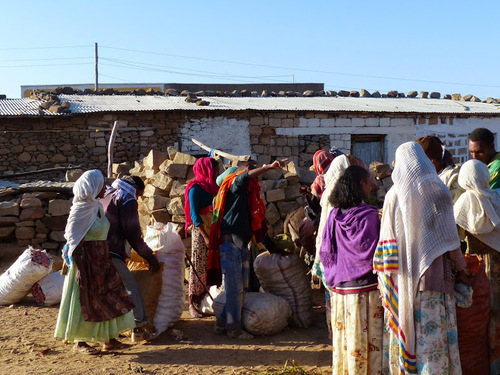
column 199, row 258
column 436, row 339
column 357, row 333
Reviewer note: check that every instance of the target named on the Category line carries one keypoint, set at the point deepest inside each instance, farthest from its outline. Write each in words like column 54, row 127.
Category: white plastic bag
column 263, row 313
column 206, row 304
column 31, row 266
column 48, row 291
column 169, row 249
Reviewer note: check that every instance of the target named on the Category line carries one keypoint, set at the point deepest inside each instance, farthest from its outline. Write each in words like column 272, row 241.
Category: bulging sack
column 286, row 276
column 169, row 249
column 263, row 313
column 48, row 291
column 31, row 266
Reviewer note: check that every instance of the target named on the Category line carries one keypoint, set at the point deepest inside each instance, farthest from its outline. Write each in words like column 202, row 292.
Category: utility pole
column 96, row 86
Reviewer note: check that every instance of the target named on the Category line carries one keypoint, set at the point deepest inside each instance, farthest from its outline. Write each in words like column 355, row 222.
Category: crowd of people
column 392, row 276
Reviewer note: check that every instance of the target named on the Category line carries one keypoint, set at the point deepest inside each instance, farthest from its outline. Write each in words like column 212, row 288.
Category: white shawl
column 477, row 210
column 335, row 171
column 417, row 227
column 84, row 209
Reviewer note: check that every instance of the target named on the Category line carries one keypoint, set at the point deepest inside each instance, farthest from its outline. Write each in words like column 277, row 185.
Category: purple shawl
column 349, row 242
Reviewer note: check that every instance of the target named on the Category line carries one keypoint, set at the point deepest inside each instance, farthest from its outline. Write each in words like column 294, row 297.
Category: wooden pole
column 221, row 153
column 111, row 144
column 96, row 86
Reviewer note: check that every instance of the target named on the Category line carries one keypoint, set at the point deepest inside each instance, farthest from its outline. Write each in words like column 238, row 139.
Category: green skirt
column 72, row 327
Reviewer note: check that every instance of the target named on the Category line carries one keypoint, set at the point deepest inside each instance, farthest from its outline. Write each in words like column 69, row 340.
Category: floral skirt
column 357, row 333
column 199, row 258
column 72, row 326
column 436, row 340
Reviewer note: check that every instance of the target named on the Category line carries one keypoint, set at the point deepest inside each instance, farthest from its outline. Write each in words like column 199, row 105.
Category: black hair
column 482, row 135
column 214, row 162
column 348, row 191
column 135, row 181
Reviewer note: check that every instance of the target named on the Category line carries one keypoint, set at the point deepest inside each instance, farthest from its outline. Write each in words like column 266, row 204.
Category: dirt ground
column 27, row 346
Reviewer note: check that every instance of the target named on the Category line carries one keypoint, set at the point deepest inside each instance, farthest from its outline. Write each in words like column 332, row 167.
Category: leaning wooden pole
column 221, row 153
column 111, row 145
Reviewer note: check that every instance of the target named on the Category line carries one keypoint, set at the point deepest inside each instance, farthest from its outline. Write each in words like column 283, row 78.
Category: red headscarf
column 204, row 176
column 321, row 161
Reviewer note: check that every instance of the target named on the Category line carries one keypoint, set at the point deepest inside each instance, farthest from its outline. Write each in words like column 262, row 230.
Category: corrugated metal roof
column 89, row 104
column 22, row 107
column 126, row 103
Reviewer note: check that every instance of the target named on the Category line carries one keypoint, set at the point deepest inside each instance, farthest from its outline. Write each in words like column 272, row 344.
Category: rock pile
column 382, row 173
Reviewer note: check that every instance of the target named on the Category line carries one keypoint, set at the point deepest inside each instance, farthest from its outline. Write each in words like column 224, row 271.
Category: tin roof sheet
column 22, row 107
column 89, row 104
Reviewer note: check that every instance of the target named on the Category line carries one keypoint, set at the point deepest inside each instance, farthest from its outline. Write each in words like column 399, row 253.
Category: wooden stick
column 221, row 153
column 111, row 144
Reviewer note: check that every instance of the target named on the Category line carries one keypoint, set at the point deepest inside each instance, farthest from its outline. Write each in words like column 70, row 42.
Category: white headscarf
column 121, row 189
column 335, row 171
column 84, row 209
column 418, row 219
column 477, row 210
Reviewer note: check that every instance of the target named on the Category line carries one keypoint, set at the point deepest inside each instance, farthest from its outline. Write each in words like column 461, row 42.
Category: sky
column 444, row 46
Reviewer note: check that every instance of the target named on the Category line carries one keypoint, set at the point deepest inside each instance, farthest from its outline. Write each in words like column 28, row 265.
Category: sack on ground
column 206, row 304
column 286, row 276
column 48, row 291
column 263, row 313
column 169, row 249
column 31, row 266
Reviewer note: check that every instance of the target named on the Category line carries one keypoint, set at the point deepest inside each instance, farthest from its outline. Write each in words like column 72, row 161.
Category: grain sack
column 286, row 276
column 31, row 266
column 263, row 313
column 206, row 304
column 169, row 249
column 48, row 291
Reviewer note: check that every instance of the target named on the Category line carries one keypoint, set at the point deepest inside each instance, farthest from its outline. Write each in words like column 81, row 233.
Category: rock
column 272, row 213
column 151, row 190
column 343, row 93
column 154, row 159
column 59, row 207
column 412, row 94
column 354, row 94
column 365, row 93
column 435, row 95
column 307, row 177
column 387, row 182
column 177, row 170
column 6, row 231
column 273, row 174
column 24, row 233
column 447, row 96
column 157, row 202
column 172, row 151
column 467, row 98
column 162, row 181
column 456, row 97
column 491, row 100
column 275, row 195
column 266, row 185
column 164, row 166
column 424, row 94
column 30, row 202
column 179, row 219
column 376, row 94
column 176, row 206
column 121, row 169
column 24, row 157
column 308, row 93
column 392, row 94
column 278, row 227
column 54, row 222
column 181, row 158
column 475, row 99
column 58, row 158
column 286, row 207
column 8, row 220
column 331, row 93
column 264, row 93
column 292, row 192
column 74, row 174
column 235, row 93
column 8, row 208
column 401, row 94
column 201, row 102
column 161, row 216
column 171, row 92
column 380, row 170
column 32, row 213
column 57, row 236
column 27, row 223
column 177, row 189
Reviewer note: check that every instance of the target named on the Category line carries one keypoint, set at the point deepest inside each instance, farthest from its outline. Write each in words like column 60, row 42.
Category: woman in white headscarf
column 418, row 251
column 95, row 304
column 477, row 213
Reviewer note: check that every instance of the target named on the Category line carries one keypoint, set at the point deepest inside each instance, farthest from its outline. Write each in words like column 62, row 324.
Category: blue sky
column 445, row 46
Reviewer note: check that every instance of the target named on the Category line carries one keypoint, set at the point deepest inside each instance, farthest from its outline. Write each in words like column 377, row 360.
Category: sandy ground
column 27, row 346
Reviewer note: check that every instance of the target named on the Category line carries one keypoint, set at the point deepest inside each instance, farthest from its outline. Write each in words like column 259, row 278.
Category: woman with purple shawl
column 198, row 196
column 347, row 248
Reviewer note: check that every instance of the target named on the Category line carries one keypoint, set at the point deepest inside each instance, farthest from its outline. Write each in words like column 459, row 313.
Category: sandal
column 239, row 334
column 84, row 348
column 193, row 311
column 113, row 344
column 140, row 334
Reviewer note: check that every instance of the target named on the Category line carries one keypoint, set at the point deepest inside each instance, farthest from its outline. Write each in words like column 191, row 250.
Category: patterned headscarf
column 321, row 161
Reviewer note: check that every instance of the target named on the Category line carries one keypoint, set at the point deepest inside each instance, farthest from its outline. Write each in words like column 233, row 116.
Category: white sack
column 169, row 249
column 48, row 291
column 206, row 304
column 31, row 266
column 263, row 313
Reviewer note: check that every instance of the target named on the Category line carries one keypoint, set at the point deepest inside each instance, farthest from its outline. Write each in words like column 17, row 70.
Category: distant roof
column 132, row 103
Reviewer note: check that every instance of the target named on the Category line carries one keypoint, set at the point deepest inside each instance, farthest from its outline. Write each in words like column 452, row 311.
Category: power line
column 38, row 65
column 49, row 59
column 31, row 48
